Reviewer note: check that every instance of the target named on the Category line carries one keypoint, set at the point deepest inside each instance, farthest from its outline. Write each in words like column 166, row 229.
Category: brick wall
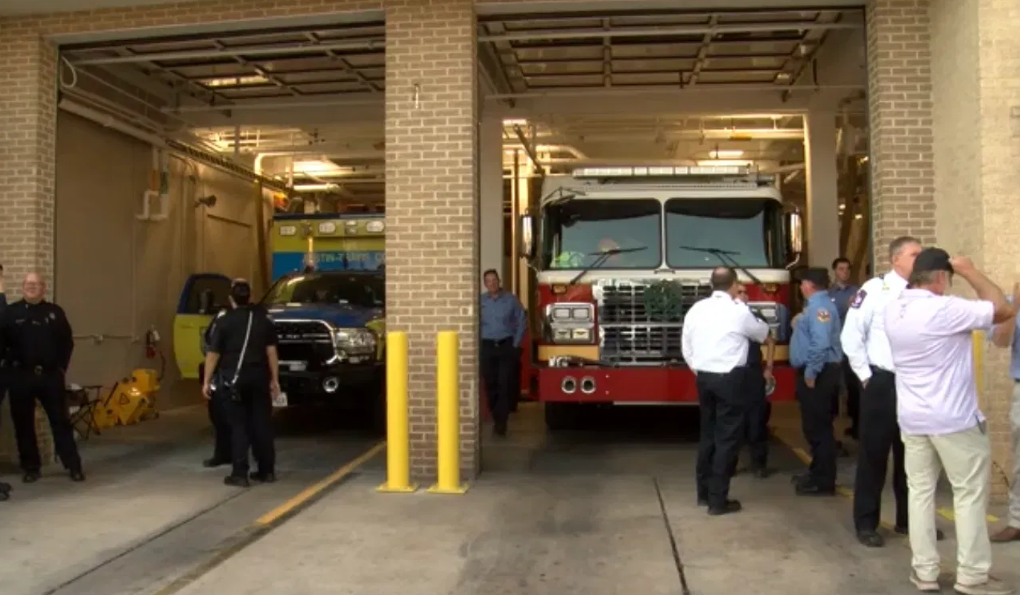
column 431, row 208
column 900, row 119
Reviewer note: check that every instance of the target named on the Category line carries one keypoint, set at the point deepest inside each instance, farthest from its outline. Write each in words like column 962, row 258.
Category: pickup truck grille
column 632, row 333
column 304, row 341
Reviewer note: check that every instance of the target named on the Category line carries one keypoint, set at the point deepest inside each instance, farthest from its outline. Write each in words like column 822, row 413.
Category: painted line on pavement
column 269, row 521
column 946, row 513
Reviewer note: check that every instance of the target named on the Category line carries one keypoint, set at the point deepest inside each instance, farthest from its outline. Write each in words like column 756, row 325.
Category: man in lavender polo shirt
column 937, row 409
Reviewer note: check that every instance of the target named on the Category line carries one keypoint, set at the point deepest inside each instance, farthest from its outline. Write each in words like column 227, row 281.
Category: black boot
column 5, row 491
column 260, row 477
column 30, row 477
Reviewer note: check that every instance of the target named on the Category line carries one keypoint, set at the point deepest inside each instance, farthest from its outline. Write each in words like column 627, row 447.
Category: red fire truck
column 621, row 253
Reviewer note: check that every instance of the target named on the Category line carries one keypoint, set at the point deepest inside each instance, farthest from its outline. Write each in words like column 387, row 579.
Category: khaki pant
column 1014, row 487
column 967, row 459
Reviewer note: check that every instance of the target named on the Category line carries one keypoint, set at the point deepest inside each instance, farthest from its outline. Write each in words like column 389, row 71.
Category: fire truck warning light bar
column 661, row 171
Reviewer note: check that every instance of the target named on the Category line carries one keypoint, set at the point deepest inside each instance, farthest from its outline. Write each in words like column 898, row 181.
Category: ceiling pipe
column 270, row 105
column 108, row 121
column 672, row 90
column 669, row 31
column 259, row 50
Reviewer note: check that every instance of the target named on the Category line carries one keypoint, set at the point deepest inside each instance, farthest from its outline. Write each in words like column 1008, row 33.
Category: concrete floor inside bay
column 609, row 508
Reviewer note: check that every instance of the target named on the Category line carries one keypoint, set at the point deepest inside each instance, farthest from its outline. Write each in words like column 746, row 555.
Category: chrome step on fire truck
column 621, row 254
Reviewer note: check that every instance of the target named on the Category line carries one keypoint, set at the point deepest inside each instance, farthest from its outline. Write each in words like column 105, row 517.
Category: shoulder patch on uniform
column 858, row 299
column 823, row 315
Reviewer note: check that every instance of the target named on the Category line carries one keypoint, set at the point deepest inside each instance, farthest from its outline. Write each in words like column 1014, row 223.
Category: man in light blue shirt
column 816, row 354
column 503, row 326
column 1005, row 335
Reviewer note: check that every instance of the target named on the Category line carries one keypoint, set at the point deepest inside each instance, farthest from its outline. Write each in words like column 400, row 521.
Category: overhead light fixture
column 515, row 122
column 724, row 163
column 234, row 81
column 726, row 154
column 316, row 187
column 783, row 77
column 858, row 216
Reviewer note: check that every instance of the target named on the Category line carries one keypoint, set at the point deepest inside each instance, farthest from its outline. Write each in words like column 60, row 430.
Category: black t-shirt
column 228, row 339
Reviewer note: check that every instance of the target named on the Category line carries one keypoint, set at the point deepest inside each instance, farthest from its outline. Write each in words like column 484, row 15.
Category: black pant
column 757, row 418
column 48, row 388
column 816, row 421
column 879, row 432
column 722, row 424
column 251, row 423
column 497, row 372
column 220, row 419
column 853, row 394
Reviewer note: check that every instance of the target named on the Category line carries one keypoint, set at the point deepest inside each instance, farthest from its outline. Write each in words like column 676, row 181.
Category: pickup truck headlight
column 355, row 341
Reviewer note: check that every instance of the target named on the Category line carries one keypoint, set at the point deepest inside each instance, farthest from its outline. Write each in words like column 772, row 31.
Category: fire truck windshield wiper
column 726, row 256
column 603, row 256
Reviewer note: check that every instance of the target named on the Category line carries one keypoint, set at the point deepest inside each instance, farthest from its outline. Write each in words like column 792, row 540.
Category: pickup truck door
column 203, row 295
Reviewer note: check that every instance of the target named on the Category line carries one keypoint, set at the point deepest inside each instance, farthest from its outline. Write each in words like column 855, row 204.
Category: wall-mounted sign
column 288, row 230
column 375, row 227
column 327, row 227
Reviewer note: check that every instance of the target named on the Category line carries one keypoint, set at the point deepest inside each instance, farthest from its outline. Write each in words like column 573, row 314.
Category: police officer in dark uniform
column 816, row 353
column 39, row 342
column 5, row 488
column 244, row 347
column 218, row 406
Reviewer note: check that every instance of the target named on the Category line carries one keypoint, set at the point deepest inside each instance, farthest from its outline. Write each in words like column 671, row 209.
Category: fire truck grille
column 641, row 344
column 645, row 329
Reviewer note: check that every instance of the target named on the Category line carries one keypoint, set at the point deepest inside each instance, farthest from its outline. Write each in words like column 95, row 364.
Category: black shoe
column 238, row 481
column 870, row 538
column 841, row 450
column 499, row 429
column 702, row 501
column 729, row 507
column 215, row 462
column 77, row 475
column 30, row 477
column 5, row 491
column 810, row 489
column 761, row 472
column 259, row 477
column 939, row 533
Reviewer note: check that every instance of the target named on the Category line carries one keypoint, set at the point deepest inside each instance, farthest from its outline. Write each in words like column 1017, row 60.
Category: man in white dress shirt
column 867, row 349
column 715, row 337
column 929, row 335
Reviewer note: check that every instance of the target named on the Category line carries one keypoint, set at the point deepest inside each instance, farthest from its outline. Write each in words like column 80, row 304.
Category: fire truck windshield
column 578, row 232
column 749, row 230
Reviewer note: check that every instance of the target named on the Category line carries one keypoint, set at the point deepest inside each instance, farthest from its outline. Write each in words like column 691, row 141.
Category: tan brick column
column 900, row 120
column 27, row 155
column 976, row 64
column 431, row 205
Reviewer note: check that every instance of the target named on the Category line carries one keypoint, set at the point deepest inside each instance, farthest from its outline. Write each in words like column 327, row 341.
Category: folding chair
column 81, row 404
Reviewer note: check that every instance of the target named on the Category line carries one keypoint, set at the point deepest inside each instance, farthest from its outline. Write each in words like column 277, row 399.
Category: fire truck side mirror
column 527, row 236
column 795, row 234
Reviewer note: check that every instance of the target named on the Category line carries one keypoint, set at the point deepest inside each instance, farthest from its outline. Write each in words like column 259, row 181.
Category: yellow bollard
column 398, row 440
column 448, row 416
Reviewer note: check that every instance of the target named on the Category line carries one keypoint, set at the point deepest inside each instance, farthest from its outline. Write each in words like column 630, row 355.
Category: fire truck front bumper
column 636, row 385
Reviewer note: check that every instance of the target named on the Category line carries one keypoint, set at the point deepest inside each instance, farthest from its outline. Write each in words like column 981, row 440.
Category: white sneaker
column 923, row 585
column 990, row 587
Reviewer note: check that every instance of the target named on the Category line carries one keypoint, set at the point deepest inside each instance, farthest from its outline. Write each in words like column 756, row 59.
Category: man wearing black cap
column 244, row 345
column 929, row 336
column 816, row 354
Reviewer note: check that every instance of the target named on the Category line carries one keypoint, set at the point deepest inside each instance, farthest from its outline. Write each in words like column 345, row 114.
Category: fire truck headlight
column 570, row 322
column 569, row 312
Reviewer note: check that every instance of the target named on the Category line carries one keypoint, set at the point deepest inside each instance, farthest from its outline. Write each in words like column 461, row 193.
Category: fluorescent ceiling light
column 723, row 162
column 234, row 81
column 515, row 122
column 727, row 154
column 317, row 166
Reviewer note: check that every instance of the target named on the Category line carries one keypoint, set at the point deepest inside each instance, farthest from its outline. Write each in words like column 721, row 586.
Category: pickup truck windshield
column 748, row 230
column 577, row 233
column 328, row 288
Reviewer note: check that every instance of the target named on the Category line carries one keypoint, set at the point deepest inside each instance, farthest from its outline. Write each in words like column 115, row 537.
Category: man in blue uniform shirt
column 816, row 354
column 842, row 293
column 503, row 327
